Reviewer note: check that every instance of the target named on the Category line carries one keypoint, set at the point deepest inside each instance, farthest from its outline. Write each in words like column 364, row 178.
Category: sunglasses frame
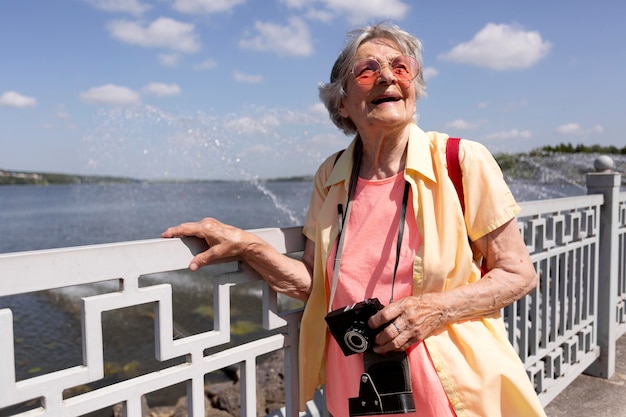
column 389, row 63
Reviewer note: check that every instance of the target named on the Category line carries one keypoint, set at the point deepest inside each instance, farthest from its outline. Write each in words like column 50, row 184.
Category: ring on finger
column 396, row 326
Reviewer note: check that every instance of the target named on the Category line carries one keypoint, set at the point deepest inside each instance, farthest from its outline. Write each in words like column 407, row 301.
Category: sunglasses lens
column 405, row 68
column 367, row 71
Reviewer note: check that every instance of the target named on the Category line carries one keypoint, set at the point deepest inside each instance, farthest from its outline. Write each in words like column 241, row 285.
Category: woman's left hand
column 410, row 319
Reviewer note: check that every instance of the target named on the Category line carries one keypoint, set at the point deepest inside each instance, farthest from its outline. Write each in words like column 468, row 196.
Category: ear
column 343, row 112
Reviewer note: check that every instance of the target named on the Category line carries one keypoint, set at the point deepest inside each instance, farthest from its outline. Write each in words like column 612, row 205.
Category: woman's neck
column 384, row 155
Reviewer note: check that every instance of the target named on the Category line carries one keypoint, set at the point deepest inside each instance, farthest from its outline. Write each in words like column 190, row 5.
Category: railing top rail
column 94, row 263
column 534, row 208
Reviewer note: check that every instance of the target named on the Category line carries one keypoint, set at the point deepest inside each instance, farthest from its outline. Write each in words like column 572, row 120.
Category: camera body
column 385, row 386
column 348, row 325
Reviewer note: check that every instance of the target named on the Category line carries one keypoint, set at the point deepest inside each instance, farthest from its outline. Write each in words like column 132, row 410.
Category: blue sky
column 228, row 89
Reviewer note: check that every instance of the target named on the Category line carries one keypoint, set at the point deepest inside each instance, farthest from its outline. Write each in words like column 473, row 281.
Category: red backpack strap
column 455, row 174
column 454, row 168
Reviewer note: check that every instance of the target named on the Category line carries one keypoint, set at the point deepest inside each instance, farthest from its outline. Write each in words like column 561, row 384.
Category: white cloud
column 293, row 39
column 245, row 125
column 13, row 99
column 247, row 78
column 333, row 140
column 429, row 72
column 64, row 116
column 460, row 124
column 354, row 11
column 134, row 7
column 318, row 109
column 297, row 4
column 205, row 6
column 319, row 15
column 162, row 90
column 208, row 64
column 514, row 106
column 169, row 60
column 110, row 94
column 509, row 135
column 258, row 149
column 574, row 129
column 161, row 33
column 359, row 11
column 500, row 47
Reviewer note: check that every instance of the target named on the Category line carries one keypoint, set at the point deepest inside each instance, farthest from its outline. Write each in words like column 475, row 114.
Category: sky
column 227, row 89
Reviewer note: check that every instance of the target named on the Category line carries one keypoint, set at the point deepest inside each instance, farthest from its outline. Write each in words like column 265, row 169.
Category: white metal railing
column 126, row 262
column 621, row 265
column 555, row 328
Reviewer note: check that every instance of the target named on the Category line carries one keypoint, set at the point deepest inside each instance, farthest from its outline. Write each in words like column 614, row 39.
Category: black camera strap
column 343, row 222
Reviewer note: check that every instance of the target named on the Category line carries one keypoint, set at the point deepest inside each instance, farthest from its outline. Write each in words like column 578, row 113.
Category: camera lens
column 356, row 340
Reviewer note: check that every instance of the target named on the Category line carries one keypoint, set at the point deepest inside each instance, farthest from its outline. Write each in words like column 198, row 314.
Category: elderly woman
column 386, row 222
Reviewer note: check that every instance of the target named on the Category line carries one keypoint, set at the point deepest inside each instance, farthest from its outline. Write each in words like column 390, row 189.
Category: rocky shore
column 223, row 399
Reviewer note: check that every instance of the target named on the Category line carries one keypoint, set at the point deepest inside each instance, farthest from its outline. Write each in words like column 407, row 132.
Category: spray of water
column 558, row 169
column 148, row 142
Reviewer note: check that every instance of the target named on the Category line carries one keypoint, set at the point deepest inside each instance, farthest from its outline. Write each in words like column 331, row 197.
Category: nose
column 386, row 73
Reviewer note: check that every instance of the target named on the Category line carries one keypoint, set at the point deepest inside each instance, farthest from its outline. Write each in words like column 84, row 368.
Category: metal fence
column 555, row 327
column 620, row 265
column 567, row 326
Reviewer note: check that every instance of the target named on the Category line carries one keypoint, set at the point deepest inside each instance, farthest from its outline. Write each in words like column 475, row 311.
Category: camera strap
column 343, row 222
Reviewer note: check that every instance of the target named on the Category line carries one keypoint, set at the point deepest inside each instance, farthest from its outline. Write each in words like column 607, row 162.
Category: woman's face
column 387, row 103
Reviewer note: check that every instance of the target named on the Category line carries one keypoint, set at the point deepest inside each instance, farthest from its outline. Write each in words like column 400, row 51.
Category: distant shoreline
column 509, row 163
column 8, row 177
column 39, row 178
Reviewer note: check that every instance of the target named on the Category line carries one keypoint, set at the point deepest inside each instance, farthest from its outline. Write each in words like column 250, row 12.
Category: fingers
column 200, row 260
column 219, row 237
column 401, row 330
column 171, row 232
column 197, row 229
column 392, row 338
column 395, row 326
column 387, row 315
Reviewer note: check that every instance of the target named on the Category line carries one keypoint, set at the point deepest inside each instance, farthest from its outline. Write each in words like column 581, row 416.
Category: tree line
column 580, row 148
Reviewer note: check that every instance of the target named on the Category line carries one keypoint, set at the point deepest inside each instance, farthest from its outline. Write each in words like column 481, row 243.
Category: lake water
column 35, row 217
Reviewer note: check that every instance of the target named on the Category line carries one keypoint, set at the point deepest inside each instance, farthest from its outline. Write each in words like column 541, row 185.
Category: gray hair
column 333, row 92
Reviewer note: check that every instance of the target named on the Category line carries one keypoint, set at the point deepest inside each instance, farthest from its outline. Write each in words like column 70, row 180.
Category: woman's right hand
column 284, row 274
column 224, row 241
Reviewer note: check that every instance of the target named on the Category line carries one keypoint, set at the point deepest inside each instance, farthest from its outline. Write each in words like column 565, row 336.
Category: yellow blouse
column 479, row 369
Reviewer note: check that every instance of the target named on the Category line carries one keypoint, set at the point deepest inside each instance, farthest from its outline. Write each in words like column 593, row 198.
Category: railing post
column 607, row 183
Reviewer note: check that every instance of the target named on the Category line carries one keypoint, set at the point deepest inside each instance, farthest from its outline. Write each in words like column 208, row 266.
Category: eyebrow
column 380, row 60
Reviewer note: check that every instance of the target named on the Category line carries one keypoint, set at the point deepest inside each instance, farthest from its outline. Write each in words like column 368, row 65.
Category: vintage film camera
column 385, row 386
column 348, row 325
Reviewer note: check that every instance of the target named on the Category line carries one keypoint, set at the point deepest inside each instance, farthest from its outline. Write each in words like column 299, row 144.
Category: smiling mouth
column 385, row 100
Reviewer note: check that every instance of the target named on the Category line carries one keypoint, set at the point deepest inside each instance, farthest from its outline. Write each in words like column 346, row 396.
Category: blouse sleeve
column 489, row 202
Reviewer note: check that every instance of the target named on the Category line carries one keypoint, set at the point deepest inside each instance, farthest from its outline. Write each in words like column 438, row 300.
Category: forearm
column 511, row 276
column 494, row 291
column 285, row 275
column 417, row 317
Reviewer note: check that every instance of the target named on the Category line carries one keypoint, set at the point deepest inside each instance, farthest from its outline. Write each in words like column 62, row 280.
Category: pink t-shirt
column 366, row 271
